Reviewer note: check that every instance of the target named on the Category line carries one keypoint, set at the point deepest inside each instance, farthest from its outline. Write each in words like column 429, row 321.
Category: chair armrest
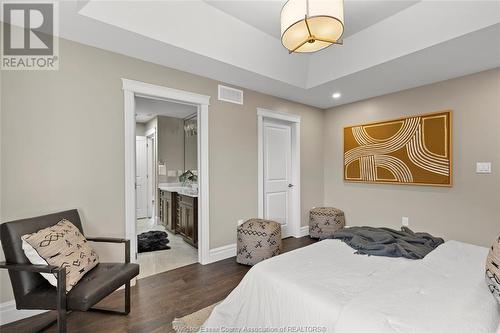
column 29, row 268
column 114, row 240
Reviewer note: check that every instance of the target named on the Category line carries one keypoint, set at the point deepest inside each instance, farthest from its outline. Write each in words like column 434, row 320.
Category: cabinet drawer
column 186, row 200
column 165, row 194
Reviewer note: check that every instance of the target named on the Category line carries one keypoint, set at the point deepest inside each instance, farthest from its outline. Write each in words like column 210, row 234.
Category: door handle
column 290, row 185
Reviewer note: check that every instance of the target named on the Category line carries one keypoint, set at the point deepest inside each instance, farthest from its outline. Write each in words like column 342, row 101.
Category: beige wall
column 62, row 144
column 470, row 210
column 152, row 124
column 140, row 129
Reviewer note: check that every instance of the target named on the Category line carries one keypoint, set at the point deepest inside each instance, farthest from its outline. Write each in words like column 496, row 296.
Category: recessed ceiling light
column 336, row 95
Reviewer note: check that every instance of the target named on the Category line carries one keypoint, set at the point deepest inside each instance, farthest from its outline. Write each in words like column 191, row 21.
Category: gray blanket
column 388, row 242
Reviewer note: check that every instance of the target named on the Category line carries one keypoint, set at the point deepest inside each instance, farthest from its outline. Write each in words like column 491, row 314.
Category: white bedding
column 325, row 286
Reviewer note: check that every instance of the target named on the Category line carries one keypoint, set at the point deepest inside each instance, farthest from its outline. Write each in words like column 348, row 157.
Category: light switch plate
column 405, row 221
column 483, row 167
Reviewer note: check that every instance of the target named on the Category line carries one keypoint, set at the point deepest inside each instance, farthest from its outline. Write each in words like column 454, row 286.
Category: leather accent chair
column 32, row 291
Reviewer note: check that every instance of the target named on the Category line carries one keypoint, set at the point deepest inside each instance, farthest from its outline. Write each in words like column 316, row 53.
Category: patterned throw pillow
column 493, row 269
column 61, row 245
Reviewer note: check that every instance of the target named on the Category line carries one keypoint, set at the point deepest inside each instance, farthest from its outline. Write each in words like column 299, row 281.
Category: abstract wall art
column 415, row 150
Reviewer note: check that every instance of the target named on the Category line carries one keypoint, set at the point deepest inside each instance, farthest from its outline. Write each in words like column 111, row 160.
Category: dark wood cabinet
column 168, row 211
column 179, row 215
column 187, row 218
column 161, row 208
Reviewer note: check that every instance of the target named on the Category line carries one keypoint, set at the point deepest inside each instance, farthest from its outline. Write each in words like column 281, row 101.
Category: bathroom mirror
column 191, row 143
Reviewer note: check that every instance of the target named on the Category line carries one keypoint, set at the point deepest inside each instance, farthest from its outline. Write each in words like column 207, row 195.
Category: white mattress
column 328, row 287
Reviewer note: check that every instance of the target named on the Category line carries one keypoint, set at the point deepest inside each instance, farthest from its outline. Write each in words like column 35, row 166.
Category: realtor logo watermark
column 29, row 33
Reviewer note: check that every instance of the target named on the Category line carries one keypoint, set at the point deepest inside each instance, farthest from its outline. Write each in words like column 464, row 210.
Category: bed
column 326, row 287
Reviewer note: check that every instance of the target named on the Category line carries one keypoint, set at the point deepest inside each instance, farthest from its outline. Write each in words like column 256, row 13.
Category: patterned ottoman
column 258, row 240
column 324, row 221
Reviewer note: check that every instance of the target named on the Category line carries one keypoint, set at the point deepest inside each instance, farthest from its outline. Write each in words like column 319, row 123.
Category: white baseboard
column 304, row 231
column 9, row 313
column 228, row 251
column 221, row 253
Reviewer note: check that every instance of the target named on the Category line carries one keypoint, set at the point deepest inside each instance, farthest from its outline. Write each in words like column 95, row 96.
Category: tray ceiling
column 264, row 15
column 389, row 45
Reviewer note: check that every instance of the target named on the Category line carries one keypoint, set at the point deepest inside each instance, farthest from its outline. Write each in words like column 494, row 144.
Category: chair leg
column 127, row 298
column 61, row 300
column 61, row 321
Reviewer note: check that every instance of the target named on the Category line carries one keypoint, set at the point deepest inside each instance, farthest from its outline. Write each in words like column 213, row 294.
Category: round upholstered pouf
column 324, row 221
column 258, row 240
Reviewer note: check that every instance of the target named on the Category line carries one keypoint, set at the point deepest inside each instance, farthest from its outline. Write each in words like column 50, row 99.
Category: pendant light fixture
column 311, row 25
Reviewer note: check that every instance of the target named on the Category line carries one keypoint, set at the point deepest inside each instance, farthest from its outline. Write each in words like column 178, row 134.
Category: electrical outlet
column 405, row 221
column 483, row 167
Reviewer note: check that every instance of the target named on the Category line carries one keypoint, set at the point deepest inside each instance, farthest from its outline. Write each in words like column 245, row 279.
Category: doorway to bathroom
column 170, row 185
column 166, row 185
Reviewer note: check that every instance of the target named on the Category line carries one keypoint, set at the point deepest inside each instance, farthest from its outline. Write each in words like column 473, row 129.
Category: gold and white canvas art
column 414, row 150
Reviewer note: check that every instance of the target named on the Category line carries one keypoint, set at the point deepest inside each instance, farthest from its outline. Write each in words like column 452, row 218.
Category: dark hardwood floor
column 158, row 299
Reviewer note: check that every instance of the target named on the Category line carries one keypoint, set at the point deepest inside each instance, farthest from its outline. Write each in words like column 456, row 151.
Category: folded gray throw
column 388, row 242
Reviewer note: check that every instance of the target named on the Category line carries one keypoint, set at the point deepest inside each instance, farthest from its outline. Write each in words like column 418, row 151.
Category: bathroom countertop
column 178, row 188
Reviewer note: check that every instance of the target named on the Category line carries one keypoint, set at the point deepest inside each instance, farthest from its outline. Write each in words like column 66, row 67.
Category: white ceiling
column 265, row 14
column 148, row 108
column 389, row 45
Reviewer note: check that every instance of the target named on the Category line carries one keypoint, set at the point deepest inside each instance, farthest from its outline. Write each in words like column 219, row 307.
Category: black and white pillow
column 493, row 270
column 61, row 245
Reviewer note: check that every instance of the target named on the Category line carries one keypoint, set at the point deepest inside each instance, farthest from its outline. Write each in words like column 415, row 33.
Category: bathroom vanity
column 187, row 218
column 179, row 211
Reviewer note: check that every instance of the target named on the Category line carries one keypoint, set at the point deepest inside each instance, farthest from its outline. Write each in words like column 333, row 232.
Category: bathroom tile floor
column 180, row 253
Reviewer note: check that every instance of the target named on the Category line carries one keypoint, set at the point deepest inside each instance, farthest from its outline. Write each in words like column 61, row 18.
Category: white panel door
column 141, row 177
column 277, row 146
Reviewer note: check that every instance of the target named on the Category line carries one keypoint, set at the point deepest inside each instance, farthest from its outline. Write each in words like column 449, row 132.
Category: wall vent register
column 231, row 95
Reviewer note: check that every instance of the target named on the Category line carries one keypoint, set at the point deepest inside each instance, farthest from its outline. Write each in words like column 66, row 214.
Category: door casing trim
column 154, row 185
column 131, row 89
column 294, row 121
